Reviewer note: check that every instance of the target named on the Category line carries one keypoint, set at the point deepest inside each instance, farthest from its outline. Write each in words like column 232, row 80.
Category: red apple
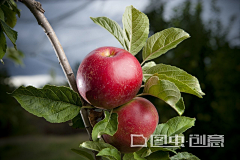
column 138, row 117
column 109, row 77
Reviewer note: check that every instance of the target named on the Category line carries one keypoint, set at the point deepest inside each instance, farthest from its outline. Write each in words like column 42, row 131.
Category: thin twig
column 38, row 12
column 147, row 74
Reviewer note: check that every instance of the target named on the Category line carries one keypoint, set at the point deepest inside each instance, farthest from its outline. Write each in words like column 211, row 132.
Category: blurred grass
column 41, row 147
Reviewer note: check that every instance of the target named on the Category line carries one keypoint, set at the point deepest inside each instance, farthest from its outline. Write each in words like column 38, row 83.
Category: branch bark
column 38, row 12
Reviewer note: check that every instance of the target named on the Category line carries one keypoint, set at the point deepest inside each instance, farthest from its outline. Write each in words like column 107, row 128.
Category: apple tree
column 104, row 97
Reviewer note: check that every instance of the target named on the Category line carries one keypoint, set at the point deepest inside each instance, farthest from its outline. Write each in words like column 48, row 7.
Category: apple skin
column 138, row 116
column 109, row 77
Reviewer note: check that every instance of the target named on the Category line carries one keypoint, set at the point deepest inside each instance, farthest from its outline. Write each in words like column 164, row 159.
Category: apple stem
column 143, row 62
column 38, row 12
column 147, row 74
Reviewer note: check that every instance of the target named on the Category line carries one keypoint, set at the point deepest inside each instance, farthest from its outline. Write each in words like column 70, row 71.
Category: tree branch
column 38, row 12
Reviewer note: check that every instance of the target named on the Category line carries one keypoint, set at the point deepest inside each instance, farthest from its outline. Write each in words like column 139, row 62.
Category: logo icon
column 138, row 136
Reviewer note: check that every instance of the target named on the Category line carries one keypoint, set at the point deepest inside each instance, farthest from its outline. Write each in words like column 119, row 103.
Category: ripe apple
column 109, row 77
column 138, row 117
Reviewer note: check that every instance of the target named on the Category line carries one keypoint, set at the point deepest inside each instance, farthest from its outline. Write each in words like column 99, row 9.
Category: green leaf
column 77, row 122
column 84, row 154
column 10, row 16
column 96, row 146
column 184, row 156
column 55, row 104
column 176, row 125
column 3, row 44
column 184, row 81
column 132, row 156
column 112, row 26
column 128, row 156
column 11, row 34
column 13, row 6
column 146, row 151
column 166, row 149
column 160, row 155
column 15, row 55
column 165, row 90
column 147, row 66
column 137, row 157
column 180, row 106
column 110, row 153
column 135, row 29
column 106, row 126
column 154, row 80
column 183, row 87
column 161, row 42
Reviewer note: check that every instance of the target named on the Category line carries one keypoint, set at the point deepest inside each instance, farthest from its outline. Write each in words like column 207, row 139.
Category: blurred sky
column 79, row 35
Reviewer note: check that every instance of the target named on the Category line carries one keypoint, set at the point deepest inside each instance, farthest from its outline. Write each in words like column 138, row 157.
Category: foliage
column 165, row 90
column 161, row 42
column 83, row 153
column 15, row 55
column 55, row 104
column 184, row 155
column 61, row 104
column 211, row 55
column 184, row 81
column 8, row 20
column 106, row 126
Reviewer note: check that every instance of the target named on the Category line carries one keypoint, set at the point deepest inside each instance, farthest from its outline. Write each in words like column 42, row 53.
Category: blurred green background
column 208, row 54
